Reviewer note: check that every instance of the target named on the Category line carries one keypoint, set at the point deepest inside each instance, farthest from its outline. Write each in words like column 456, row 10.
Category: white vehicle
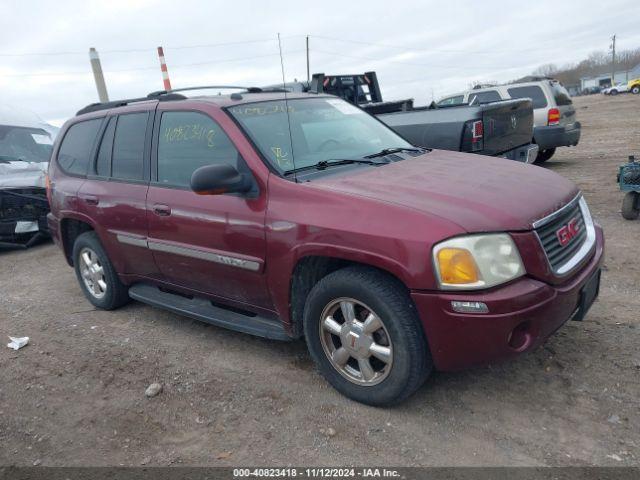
column 25, row 147
column 616, row 89
column 554, row 118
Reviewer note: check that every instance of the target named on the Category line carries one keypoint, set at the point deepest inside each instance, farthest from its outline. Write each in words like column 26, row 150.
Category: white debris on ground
column 17, row 342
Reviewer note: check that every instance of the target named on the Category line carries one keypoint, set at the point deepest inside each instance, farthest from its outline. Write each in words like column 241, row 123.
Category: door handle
column 162, row 210
column 90, row 199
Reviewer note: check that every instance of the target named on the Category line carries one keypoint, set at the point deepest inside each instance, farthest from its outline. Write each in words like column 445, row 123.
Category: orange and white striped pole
column 163, row 68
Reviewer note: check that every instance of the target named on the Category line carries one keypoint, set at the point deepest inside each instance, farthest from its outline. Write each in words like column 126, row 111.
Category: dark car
column 303, row 216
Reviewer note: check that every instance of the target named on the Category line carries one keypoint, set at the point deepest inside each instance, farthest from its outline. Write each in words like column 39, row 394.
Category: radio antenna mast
column 286, row 107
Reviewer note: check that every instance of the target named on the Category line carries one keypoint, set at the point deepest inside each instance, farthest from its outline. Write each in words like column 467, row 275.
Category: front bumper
column 522, row 315
column 525, row 153
column 557, row 135
column 23, row 233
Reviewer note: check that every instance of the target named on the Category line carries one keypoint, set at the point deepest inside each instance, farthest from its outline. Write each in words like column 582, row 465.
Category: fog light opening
column 520, row 337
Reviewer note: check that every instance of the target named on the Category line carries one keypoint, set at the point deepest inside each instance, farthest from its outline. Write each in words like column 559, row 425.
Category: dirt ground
column 75, row 394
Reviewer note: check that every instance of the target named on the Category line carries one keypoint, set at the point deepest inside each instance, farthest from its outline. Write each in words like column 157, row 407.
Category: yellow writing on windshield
column 282, row 157
column 261, row 110
column 189, row 132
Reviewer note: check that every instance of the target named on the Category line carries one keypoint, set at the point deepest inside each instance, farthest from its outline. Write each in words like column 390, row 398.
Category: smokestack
column 163, row 68
column 97, row 75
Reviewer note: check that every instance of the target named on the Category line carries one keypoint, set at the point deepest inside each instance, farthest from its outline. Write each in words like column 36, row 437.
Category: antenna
column 286, row 107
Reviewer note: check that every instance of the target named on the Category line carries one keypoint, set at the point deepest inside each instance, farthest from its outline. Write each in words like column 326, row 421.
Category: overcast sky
column 419, row 48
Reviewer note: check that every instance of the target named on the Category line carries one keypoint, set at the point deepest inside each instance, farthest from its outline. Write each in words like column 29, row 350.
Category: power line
column 428, row 50
column 133, row 50
column 184, row 65
column 428, row 65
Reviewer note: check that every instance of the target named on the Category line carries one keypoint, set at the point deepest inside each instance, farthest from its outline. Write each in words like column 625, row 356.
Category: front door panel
column 210, row 243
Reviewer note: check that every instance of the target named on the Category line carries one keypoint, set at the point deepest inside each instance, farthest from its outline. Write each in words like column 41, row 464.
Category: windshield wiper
column 333, row 163
column 389, row 151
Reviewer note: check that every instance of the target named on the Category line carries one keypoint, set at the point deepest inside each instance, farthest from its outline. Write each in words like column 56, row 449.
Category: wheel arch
column 310, row 268
column 70, row 229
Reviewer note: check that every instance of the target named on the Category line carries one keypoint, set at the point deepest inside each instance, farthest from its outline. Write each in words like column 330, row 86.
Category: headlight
column 477, row 261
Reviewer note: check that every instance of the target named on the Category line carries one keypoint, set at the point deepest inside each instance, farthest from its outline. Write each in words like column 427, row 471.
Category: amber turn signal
column 457, row 266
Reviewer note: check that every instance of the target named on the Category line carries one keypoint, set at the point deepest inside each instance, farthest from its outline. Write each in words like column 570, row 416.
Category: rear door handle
column 90, row 199
column 162, row 210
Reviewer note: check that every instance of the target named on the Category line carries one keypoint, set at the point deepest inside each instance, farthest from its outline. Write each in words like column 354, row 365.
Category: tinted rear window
column 73, row 156
column 127, row 161
column 533, row 92
column 485, row 97
column 560, row 94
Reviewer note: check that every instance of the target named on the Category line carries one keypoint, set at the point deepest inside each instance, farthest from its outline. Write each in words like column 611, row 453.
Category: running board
column 203, row 310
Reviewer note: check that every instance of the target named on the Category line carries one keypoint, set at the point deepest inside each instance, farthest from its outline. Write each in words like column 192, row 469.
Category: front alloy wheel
column 356, row 341
column 365, row 336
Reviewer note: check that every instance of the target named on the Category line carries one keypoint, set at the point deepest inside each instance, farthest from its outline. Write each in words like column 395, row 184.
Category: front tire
column 613, row 92
column 630, row 210
column 365, row 337
column 96, row 275
column 544, row 155
column 636, row 89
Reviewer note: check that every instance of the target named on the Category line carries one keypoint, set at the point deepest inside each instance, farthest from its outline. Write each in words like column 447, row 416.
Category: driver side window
column 188, row 141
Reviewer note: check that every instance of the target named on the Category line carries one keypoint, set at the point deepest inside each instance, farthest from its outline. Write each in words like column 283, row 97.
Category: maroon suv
column 303, row 216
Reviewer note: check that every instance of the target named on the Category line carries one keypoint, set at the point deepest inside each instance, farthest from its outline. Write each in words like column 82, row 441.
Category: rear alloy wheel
column 96, row 275
column 92, row 273
column 364, row 334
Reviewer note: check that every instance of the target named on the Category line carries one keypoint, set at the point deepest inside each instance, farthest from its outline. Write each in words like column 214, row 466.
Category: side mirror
column 219, row 179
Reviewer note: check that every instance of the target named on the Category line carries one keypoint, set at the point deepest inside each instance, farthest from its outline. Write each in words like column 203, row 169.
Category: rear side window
column 73, row 156
column 188, row 141
column 533, row 92
column 127, row 160
column 103, row 163
column 485, row 97
column 560, row 94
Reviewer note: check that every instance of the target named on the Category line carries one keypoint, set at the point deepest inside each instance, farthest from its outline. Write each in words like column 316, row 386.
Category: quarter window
column 75, row 150
column 128, row 147
column 188, row 141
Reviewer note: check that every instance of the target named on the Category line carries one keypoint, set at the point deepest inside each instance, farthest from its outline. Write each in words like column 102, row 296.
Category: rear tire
column 613, row 92
column 544, row 155
column 630, row 210
column 636, row 89
column 96, row 275
column 364, row 334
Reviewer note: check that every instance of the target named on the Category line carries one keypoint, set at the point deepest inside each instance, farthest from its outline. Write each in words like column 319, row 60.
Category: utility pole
column 308, row 75
column 613, row 60
column 98, row 75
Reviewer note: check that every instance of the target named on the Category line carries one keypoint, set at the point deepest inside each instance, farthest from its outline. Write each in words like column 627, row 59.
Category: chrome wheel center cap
column 355, row 340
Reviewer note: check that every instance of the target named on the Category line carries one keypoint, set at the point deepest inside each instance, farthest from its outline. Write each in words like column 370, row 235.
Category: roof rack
column 168, row 95
column 160, row 96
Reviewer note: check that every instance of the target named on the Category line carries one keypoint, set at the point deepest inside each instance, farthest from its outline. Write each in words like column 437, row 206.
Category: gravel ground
column 76, row 394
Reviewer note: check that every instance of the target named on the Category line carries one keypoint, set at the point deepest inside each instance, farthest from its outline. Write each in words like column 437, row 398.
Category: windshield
column 26, row 144
column 322, row 129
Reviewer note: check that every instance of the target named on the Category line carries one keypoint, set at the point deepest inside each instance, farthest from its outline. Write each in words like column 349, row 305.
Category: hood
column 479, row 193
column 22, row 174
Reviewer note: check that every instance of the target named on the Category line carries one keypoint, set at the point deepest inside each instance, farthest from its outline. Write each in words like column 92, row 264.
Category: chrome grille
column 557, row 254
